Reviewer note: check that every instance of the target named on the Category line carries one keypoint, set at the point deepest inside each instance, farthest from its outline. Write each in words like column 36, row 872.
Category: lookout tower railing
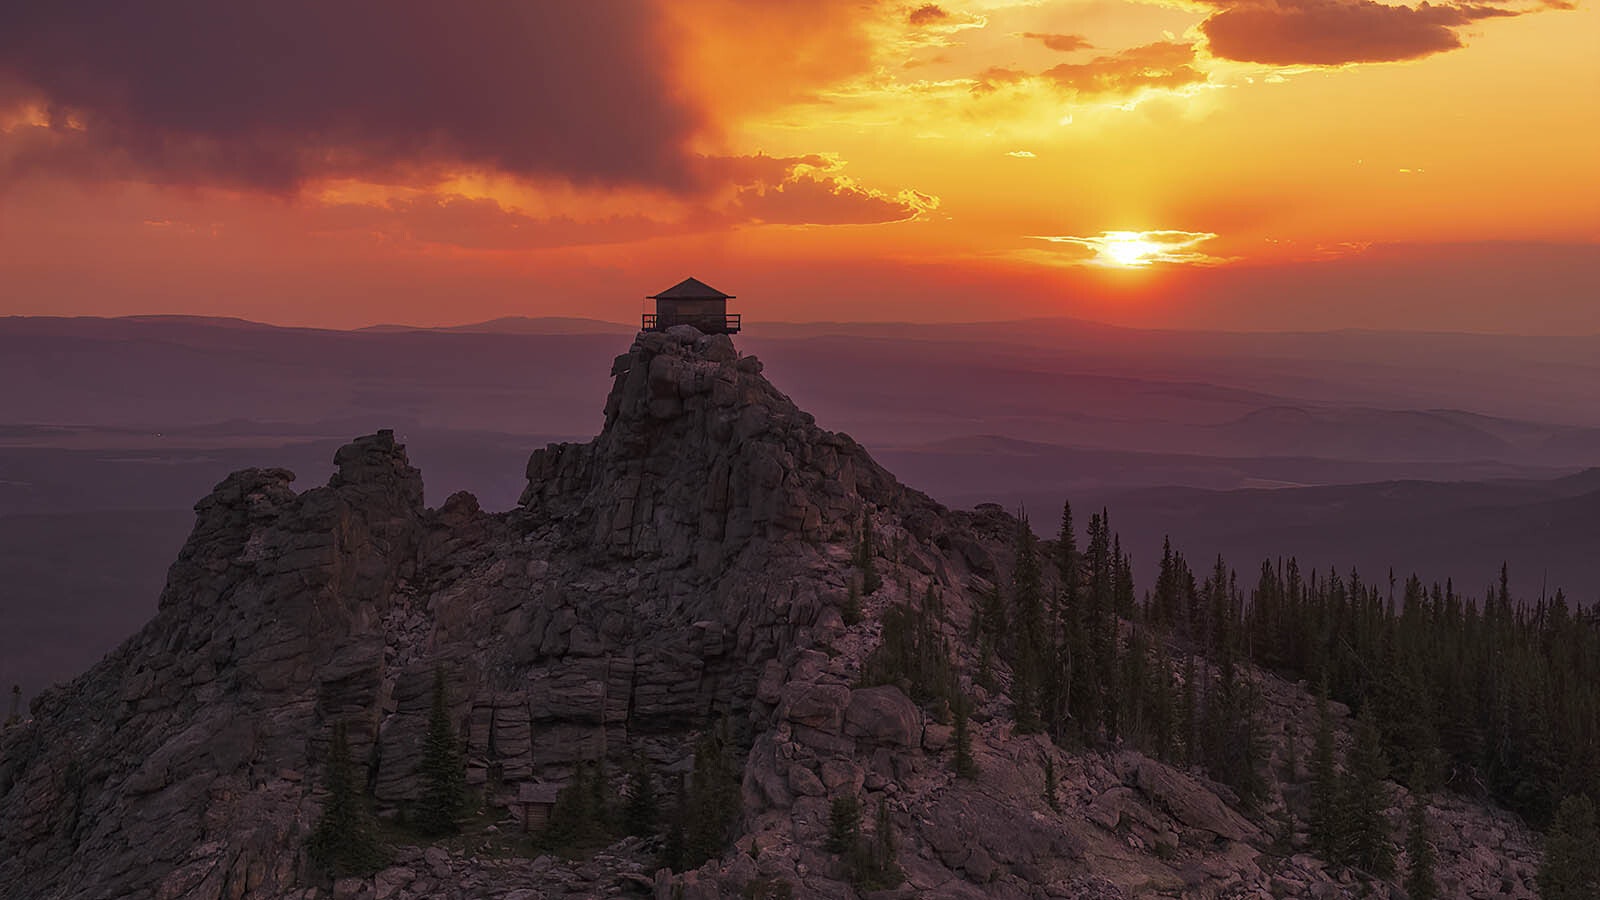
column 715, row 323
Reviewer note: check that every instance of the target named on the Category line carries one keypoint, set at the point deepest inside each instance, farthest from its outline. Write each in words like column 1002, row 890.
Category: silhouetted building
column 537, row 801
column 692, row 302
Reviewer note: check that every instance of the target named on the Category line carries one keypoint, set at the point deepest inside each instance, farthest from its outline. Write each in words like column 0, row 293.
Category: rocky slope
column 685, row 567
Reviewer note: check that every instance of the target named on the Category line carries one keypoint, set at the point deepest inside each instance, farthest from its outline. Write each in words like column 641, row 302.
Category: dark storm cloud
column 265, row 95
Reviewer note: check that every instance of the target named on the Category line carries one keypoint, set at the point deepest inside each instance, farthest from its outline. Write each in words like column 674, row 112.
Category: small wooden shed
column 536, row 801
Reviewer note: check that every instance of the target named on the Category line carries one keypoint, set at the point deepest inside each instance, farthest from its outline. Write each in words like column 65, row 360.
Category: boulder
column 1190, row 802
column 819, row 706
column 883, row 715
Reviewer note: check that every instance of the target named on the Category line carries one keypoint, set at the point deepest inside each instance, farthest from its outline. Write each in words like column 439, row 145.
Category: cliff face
column 683, row 568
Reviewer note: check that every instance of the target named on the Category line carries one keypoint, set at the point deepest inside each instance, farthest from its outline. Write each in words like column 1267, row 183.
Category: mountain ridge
column 690, row 565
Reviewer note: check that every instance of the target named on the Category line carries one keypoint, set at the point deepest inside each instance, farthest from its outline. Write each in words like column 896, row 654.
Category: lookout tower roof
column 691, row 289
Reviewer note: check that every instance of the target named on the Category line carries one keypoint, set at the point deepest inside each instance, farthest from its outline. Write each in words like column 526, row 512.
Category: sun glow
column 1134, row 249
column 1129, row 249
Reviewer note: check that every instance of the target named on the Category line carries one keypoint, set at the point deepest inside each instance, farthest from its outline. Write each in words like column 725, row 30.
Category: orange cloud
column 479, row 224
column 1165, row 64
column 810, row 199
column 1066, row 43
column 1336, row 32
column 735, row 64
column 927, row 15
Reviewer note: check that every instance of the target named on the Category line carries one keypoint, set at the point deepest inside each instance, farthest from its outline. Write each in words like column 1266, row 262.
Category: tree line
column 1499, row 700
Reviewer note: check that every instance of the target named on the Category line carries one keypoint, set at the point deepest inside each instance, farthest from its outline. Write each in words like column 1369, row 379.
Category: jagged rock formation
column 685, row 567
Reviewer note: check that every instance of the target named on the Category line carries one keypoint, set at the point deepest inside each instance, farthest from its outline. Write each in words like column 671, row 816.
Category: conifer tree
column 443, row 776
column 1133, row 688
column 713, row 797
column 1571, row 868
column 570, row 826
column 912, row 656
column 1084, row 661
column 1025, row 699
column 850, row 610
column 1234, row 748
column 597, row 807
column 1366, row 833
column 1031, row 644
column 844, row 824
column 1189, row 712
column 966, row 766
column 1323, row 821
column 674, row 847
column 641, row 809
column 883, row 871
column 1419, row 883
column 1164, row 603
column 866, row 554
column 1068, row 566
column 1102, row 622
column 343, row 842
column 1050, row 782
column 1161, row 705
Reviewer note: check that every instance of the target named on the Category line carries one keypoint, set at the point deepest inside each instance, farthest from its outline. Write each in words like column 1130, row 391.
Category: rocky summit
column 690, row 571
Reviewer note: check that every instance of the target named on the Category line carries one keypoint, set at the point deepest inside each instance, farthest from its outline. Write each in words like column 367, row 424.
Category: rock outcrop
column 685, row 568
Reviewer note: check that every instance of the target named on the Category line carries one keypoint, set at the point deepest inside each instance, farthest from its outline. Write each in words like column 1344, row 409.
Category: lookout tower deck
column 692, row 302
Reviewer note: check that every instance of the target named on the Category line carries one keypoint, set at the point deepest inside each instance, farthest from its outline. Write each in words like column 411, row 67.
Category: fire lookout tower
column 692, row 302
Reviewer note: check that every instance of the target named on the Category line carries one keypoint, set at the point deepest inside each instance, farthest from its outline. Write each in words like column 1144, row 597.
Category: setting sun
column 1129, row 250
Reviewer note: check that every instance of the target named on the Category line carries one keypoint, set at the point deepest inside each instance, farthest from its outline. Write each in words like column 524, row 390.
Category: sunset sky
column 1248, row 164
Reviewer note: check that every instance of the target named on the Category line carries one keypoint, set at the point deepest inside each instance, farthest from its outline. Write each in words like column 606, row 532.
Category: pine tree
column 641, row 810
column 570, row 827
column 1419, row 884
column 1164, row 602
column 443, row 776
column 1050, row 782
column 1323, row 821
column 850, row 609
column 1366, row 833
column 1031, row 640
column 713, row 797
column 1189, row 712
column 1571, row 868
column 674, row 847
column 1234, row 749
column 883, row 872
column 343, row 842
column 966, row 766
column 1102, row 623
column 866, row 553
column 844, row 824
column 1025, row 699
column 1161, row 706
column 597, row 812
